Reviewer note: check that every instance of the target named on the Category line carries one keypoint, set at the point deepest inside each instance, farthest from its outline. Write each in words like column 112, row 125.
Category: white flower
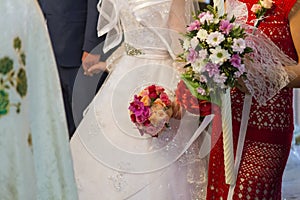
column 238, row 45
column 198, row 65
column 219, row 55
column 202, row 34
column 201, row 61
column 186, row 44
column 194, row 42
column 220, row 80
column 216, row 21
column 202, row 54
column 215, row 38
column 266, row 3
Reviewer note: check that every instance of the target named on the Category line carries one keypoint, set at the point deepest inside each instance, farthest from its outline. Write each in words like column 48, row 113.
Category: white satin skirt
column 113, row 161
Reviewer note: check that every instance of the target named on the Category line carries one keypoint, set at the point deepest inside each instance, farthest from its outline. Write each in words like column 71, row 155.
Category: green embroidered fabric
column 12, row 78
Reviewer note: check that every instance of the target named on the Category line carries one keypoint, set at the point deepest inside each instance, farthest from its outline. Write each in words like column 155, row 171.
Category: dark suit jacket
column 72, row 27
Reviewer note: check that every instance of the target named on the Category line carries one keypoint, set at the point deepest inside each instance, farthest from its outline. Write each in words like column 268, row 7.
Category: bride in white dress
column 111, row 159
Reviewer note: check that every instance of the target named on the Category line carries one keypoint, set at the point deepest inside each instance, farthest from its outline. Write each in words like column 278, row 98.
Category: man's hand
column 89, row 60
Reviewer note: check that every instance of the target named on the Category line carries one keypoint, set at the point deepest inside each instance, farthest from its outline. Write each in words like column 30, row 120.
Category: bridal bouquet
column 214, row 48
column 151, row 110
column 214, row 51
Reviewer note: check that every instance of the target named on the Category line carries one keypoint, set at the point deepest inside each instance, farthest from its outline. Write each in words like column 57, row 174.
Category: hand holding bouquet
column 214, row 49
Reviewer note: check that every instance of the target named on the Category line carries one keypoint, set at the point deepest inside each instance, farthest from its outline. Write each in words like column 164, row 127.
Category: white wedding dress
column 111, row 159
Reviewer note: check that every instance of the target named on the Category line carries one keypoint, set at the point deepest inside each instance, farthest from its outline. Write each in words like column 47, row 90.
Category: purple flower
column 201, row 91
column 241, row 71
column 136, row 106
column 201, row 15
column 225, row 26
column 212, row 69
column 192, row 56
column 203, row 79
column 195, row 25
column 236, row 60
column 144, row 115
column 220, row 79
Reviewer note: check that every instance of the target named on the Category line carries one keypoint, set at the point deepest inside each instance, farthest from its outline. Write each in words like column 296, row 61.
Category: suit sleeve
column 91, row 40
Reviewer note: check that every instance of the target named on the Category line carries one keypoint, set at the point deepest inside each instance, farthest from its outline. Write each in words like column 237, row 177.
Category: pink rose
column 165, row 99
column 266, row 3
column 255, row 8
column 160, row 89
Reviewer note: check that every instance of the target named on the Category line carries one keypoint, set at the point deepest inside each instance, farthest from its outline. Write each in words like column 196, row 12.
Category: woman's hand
column 91, row 64
column 96, row 68
column 240, row 84
column 176, row 110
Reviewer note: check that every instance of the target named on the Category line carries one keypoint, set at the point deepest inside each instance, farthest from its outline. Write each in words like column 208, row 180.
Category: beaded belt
column 150, row 53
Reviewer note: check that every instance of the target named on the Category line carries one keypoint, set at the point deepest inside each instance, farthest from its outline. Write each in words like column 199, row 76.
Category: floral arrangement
column 151, row 110
column 261, row 8
column 214, row 48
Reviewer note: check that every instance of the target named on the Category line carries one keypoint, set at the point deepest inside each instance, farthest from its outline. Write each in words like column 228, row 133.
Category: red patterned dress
column 270, row 127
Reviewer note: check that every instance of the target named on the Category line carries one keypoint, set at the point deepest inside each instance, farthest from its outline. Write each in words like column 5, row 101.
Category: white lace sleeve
column 265, row 68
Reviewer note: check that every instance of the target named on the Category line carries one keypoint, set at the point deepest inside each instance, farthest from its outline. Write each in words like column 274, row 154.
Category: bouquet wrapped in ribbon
column 214, row 50
column 151, row 110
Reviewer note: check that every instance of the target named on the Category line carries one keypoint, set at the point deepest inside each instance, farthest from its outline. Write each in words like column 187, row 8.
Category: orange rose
column 146, row 100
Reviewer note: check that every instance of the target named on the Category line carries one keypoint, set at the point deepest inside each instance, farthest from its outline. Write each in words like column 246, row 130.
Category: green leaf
column 21, row 82
column 11, row 83
column 232, row 19
column 248, row 50
column 17, row 43
column 18, row 106
column 6, row 65
column 23, row 58
column 4, row 102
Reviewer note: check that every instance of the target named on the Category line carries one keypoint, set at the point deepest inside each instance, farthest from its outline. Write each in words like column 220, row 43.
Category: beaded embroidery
column 132, row 51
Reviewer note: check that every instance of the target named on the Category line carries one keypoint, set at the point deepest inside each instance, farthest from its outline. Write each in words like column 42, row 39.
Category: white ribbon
column 227, row 138
column 242, row 136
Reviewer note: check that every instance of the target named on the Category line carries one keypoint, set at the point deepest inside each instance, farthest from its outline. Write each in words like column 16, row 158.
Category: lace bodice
column 144, row 23
column 141, row 21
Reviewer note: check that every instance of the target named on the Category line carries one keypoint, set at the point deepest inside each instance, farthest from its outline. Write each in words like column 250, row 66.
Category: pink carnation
column 255, row 8
column 195, row 25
